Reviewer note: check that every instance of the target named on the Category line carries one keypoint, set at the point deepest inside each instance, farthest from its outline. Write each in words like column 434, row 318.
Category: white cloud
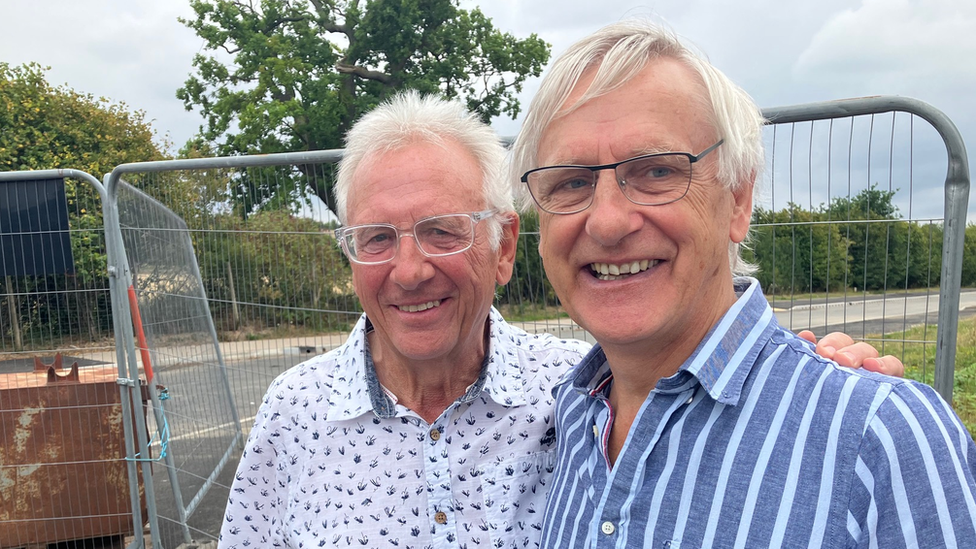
column 895, row 44
column 920, row 49
column 125, row 50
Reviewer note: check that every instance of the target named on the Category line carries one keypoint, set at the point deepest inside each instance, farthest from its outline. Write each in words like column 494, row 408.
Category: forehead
column 419, row 179
column 663, row 107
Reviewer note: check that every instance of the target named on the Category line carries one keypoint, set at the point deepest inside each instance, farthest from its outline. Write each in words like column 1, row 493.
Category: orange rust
column 39, row 365
column 62, row 470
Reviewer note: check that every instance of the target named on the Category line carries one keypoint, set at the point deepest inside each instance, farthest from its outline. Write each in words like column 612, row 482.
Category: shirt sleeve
column 258, row 495
column 914, row 477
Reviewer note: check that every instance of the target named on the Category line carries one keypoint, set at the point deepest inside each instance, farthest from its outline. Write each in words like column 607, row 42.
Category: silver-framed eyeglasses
column 436, row 236
column 648, row 180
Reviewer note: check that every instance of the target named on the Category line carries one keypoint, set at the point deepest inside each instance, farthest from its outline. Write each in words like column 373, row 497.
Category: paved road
column 864, row 316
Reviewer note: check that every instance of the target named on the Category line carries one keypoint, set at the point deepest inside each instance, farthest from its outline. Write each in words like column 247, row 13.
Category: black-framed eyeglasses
column 649, row 180
column 436, row 236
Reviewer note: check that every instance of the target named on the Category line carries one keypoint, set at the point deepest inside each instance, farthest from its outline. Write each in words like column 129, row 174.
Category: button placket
column 439, row 486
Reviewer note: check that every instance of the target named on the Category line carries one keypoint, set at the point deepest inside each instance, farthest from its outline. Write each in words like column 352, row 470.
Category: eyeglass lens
column 441, row 235
column 649, row 180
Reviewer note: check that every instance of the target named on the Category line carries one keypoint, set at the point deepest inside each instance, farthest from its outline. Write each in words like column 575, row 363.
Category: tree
column 288, row 268
column 969, row 257
column 45, row 127
column 296, row 74
column 887, row 251
column 855, row 242
column 796, row 251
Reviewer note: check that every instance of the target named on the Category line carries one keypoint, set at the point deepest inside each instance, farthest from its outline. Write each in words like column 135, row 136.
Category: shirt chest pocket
column 514, row 492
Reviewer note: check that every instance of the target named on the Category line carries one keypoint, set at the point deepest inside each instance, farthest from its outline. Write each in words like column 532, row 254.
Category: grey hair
column 619, row 52
column 408, row 118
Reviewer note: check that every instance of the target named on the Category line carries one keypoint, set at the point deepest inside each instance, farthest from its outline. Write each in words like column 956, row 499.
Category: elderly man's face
column 399, row 188
column 683, row 284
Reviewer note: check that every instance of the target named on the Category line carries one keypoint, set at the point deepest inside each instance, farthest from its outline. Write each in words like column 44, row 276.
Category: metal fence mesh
column 61, row 431
column 237, row 278
column 849, row 229
column 196, row 416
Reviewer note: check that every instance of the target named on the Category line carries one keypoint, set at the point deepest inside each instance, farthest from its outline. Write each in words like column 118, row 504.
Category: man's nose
column 611, row 216
column 411, row 267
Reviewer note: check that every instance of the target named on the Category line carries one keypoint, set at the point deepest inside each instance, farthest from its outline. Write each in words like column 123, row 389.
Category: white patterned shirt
column 333, row 461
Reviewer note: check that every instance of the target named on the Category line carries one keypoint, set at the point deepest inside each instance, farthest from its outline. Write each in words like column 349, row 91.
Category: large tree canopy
column 283, row 75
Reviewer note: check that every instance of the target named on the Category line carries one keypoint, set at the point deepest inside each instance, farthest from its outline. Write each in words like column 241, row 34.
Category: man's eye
column 437, row 232
column 371, row 240
column 659, row 172
column 574, row 184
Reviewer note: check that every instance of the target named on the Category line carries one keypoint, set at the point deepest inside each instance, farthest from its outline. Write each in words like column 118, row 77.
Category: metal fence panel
column 887, row 182
column 64, row 422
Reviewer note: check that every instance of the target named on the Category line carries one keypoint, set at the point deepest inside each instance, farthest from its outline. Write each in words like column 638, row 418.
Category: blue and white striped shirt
column 758, row 442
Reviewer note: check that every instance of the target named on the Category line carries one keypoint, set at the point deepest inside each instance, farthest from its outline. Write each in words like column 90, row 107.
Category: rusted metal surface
column 62, row 470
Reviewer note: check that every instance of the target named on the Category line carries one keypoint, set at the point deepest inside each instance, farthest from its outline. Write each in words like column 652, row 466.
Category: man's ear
column 741, row 210
column 507, row 249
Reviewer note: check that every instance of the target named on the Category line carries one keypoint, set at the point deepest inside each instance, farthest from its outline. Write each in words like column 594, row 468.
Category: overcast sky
column 781, row 51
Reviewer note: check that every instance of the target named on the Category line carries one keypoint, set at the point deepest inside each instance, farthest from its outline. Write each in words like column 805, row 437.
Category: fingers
column 839, row 341
column 888, row 365
column 809, row 336
column 843, row 350
column 854, row 355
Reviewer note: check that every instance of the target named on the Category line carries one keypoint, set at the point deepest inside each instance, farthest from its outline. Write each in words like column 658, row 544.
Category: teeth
column 608, row 271
column 421, row 307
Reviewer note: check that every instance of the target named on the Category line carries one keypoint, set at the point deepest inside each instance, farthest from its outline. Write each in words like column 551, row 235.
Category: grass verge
column 919, row 359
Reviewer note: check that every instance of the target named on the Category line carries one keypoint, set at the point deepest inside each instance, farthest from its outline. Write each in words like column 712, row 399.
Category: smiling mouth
column 420, row 307
column 610, row 271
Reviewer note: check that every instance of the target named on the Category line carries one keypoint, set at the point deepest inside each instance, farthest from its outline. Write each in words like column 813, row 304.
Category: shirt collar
column 722, row 360
column 357, row 390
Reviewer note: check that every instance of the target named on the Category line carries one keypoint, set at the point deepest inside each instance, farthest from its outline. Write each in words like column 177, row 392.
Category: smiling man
column 432, row 426
column 697, row 421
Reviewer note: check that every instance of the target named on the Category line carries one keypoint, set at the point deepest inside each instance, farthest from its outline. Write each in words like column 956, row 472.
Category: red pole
column 140, row 334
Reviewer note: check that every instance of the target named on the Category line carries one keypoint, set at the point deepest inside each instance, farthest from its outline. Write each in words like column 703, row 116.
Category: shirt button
column 435, row 435
column 441, row 517
column 607, row 528
column 596, row 431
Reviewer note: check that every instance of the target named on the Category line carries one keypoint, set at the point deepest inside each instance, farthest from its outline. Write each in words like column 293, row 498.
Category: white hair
column 618, row 52
column 408, row 118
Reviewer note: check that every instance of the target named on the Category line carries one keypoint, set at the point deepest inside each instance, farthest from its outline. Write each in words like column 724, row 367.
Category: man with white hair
column 697, row 421
column 432, row 425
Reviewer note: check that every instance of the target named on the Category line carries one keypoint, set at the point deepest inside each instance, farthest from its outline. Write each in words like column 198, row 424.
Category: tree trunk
column 13, row 307
column 235, row 312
